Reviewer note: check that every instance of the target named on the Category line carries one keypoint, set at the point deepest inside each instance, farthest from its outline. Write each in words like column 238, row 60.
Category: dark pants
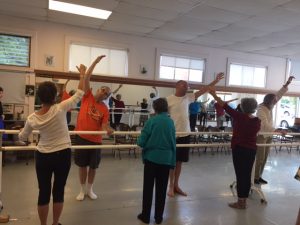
column 46, row 164
column 159, row 174
column 193, row 121
column 203, row 118
column 243, row 160
column 69, row 115
column 117, row 118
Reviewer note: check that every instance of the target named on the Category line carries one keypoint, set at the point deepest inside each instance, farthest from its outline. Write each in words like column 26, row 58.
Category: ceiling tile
column 264, row 25
column 245, row 7
column 283, row 51
column 292, row 6
column 145, row 12
column 168, row 5
column 211, row 42
column 288, row 36
column 234, row 33
column 251, row 45
column 170, row 34
column 190, row 24
column 135, row 20
column 282, row 15
column 209, row 13
column 75, row 20
column 126, row 28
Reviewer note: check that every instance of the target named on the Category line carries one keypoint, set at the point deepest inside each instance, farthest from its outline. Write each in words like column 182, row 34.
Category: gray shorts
column 87, row 157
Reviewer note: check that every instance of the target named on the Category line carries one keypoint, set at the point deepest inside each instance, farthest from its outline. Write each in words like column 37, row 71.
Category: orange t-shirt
column 91, row 117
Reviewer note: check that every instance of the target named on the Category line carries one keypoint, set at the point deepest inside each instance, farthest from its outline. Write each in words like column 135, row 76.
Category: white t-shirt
column 150, row 104
column 53, row 128
column 179, row 111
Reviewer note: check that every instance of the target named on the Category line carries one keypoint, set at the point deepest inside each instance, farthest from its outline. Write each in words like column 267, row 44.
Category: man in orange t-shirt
column 93, row 116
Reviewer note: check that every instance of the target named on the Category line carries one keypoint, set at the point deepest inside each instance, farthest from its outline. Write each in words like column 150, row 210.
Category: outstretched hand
column 98, row 59
column 220, row 76
column 290, row 79
column 81, row 69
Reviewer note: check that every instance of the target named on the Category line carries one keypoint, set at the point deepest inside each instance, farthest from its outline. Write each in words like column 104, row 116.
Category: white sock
column 90, row 192
column 81, row 194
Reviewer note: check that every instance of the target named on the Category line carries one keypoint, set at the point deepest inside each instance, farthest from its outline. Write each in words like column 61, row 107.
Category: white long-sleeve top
column 266, row 116
column 150, row 104
column 53, row 128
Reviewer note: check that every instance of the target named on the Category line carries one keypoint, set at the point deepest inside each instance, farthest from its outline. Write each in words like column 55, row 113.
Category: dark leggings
column 46, row 164
column 158, row 174
column 243, row 160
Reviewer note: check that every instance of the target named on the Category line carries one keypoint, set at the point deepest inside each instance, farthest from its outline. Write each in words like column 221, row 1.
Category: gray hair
column 248, row 105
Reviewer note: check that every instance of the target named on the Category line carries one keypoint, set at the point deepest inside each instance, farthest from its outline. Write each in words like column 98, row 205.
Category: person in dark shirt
column 194, row 109
column 243, row 144
column 120, row 106
column 144, row 111
column 4, row 136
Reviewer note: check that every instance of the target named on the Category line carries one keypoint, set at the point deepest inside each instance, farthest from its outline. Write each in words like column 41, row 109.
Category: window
column 15, row 50
column 247, row 75
column 181, row 68
column 114, row 64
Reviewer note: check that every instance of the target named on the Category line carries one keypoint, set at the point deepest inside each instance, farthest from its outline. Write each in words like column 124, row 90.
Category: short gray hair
column 248, row 105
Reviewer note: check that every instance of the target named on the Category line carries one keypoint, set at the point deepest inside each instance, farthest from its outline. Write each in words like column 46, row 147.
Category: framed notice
column 8, row 108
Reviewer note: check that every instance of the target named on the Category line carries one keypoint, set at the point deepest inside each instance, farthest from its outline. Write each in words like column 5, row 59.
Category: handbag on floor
column 297, row 176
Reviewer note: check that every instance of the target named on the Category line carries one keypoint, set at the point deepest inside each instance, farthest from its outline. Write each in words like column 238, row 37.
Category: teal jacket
column 158, row 140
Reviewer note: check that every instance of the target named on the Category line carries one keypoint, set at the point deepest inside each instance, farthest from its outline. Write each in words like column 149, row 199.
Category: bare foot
column 179, row 191
column 171, row 193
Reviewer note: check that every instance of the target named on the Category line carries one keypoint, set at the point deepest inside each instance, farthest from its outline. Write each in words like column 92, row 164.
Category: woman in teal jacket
column 158, row 141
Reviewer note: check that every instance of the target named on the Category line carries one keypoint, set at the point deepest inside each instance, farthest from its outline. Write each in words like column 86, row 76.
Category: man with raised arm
column 153, row 97
column 178, row 105
column 93, row 116
column 265, row 114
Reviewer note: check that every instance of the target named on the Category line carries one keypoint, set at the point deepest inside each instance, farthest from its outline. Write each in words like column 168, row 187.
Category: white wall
column 50, row 39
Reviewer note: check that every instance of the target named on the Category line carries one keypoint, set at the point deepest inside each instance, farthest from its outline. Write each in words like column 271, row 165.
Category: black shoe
column 158, row 220
column 262, row 181
column 256, row 181
column 142, row 218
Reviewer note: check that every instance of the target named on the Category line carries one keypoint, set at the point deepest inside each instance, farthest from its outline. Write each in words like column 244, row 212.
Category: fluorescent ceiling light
column 79, row 9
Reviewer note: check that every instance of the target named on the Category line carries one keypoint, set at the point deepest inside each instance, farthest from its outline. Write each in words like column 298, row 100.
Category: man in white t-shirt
column 153, row 97
column 178, row 105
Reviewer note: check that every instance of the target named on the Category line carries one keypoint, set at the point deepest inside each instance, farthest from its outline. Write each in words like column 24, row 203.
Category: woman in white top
column 54, row 153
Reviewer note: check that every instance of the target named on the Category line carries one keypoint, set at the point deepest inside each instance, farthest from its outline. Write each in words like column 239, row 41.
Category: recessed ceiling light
column 79, row 9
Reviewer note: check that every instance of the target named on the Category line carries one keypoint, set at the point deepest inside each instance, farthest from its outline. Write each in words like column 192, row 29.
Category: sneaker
column 256, row 181
column 262, row 181
column 92, row 195
column 237, row 205
column 80, row 197
column 142, row 218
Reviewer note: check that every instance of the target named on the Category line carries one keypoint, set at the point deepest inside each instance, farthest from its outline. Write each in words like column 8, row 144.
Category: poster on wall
column 8, row 108
column 29, row 90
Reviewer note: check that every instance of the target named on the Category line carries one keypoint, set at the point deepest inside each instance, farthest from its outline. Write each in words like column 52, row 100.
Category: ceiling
column 268, row 27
